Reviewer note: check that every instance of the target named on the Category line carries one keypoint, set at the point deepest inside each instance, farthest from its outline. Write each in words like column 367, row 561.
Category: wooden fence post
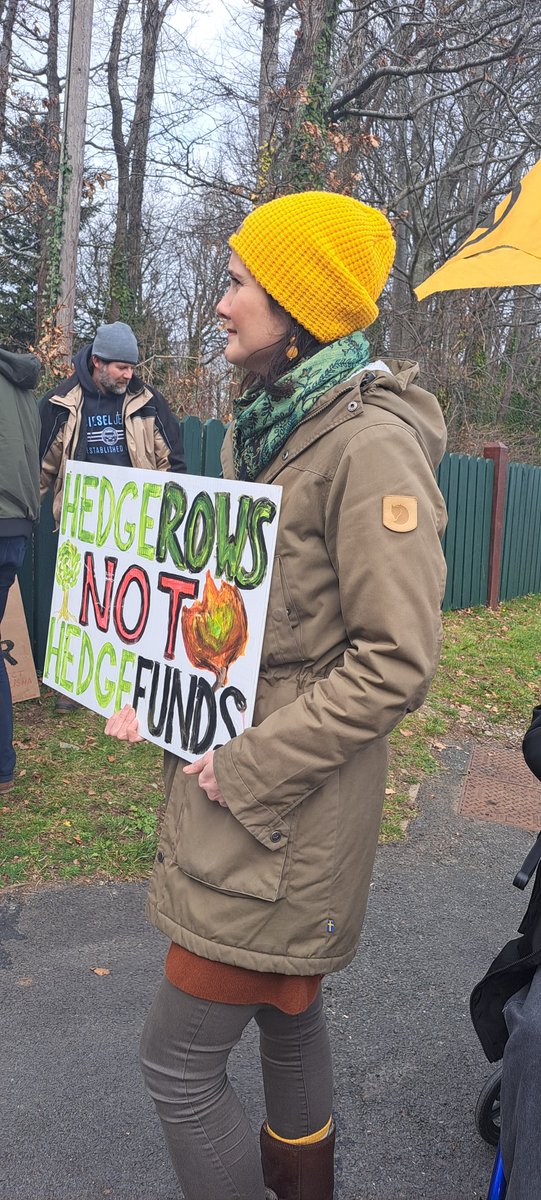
column 499, row 453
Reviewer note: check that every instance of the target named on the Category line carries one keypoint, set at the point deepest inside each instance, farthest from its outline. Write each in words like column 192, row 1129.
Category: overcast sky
column 212, row 25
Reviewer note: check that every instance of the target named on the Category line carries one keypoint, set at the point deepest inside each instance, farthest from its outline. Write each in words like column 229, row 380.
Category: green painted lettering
column 172, row 512
column 125, row 539
column 199, row 532
column 54, row 650
column 70, row 503
column 106, row 510
column 229, row 547
column 105, row 689
column 150, row 491
column 124, row 685
column 86, row 506
column 263, row 512
column 67, row 656
column 85, row 669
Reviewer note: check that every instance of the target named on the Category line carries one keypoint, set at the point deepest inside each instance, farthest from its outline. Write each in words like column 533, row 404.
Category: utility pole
column 70, row 182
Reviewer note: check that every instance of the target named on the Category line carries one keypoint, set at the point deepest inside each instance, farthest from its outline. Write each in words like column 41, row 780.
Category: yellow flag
column 504, row 253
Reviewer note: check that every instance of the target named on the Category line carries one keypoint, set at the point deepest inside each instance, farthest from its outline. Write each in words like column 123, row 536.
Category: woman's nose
column 221, row 307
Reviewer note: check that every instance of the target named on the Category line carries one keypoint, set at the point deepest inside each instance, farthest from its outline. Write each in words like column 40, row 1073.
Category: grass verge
column 88, row 807
column 84, row 805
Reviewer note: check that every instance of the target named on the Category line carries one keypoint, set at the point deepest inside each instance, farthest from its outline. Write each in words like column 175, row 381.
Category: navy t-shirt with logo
column 105, row 436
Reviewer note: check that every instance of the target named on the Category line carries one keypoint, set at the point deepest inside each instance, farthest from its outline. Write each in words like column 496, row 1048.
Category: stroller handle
column 525, row 872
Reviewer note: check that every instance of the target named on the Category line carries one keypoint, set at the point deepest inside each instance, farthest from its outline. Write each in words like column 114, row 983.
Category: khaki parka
column 278, row 880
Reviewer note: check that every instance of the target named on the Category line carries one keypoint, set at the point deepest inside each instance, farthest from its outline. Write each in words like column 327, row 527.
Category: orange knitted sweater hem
column 226, row 984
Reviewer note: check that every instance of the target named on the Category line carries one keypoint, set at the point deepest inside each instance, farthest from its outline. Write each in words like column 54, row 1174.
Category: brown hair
column 306, row 345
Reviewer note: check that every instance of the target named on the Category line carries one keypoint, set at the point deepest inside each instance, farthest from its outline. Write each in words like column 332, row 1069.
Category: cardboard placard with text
column 160, row 599
column 16, row 650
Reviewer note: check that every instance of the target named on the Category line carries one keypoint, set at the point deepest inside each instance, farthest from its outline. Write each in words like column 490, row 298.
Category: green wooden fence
column 467, row 486
column 521, row 557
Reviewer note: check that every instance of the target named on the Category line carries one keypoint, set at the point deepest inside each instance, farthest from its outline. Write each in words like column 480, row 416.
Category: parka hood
column 81, row 362
column 393, row 388
column 22, row 370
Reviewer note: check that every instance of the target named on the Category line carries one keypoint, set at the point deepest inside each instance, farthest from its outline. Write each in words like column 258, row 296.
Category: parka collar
column 392, row 388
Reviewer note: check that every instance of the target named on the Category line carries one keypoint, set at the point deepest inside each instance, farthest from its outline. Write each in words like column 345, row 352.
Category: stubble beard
column 101, row 375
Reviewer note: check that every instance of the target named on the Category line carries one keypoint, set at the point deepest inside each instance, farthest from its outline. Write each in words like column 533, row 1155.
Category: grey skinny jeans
column 185, row 1046
column 521, row 1094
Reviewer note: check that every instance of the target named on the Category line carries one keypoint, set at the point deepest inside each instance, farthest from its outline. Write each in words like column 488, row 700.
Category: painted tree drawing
column 68, row 566
column 215, row 629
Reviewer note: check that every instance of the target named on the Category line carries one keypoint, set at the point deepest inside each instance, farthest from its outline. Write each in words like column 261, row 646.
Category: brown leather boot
column 299, row 1172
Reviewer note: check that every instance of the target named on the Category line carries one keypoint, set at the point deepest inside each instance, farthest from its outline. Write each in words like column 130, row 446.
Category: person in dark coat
column 520, row 1097
column 19, row 506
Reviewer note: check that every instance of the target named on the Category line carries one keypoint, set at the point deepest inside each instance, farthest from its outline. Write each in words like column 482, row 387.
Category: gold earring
column 292, row 350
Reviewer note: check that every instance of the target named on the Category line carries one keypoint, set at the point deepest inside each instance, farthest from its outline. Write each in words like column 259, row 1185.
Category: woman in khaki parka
column 265, row 856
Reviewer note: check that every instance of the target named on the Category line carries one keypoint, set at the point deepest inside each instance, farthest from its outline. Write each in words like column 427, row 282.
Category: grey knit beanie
column 115, row 343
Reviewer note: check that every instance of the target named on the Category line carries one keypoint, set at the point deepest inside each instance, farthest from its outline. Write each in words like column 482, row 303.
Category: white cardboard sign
column 160, row 600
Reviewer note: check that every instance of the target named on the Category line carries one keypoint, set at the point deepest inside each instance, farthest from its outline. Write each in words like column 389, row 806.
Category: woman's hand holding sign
column 204, row 767
column 124, row 725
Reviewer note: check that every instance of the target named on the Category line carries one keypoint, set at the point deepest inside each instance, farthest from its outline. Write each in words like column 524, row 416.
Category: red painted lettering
column 179, row 589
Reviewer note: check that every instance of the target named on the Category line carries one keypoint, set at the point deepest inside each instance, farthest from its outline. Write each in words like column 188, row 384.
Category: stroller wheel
column 487, row 1109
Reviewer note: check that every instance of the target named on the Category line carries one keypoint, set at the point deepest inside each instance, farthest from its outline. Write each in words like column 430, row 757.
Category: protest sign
column 160, row 599
column 16, row 650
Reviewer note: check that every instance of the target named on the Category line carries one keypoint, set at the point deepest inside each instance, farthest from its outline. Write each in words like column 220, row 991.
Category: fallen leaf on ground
column 100, row 971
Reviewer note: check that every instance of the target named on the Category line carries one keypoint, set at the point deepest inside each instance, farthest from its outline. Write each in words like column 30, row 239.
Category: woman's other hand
column 124, row 725
column 204, row 768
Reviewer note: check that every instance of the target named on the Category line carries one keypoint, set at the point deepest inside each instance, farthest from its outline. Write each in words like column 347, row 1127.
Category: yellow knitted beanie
column 324, row 257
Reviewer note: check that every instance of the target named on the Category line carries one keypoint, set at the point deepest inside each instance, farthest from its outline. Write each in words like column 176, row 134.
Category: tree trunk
column 131, row 156
column 72, row 162
column 47, row 287
column 5, row 59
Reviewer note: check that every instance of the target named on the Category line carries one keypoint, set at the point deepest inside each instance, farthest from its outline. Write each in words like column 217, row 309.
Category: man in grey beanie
column 104, row 413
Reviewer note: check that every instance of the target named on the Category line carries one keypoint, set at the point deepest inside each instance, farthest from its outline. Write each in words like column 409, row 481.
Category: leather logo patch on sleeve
column 400, row 513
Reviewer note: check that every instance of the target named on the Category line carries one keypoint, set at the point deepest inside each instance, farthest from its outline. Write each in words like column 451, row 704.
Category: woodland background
column 430, row 109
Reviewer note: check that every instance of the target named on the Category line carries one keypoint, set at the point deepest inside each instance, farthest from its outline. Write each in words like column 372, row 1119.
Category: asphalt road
column 75, row 1122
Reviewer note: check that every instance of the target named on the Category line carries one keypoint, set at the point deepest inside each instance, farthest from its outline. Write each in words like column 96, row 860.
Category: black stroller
column 512, row 969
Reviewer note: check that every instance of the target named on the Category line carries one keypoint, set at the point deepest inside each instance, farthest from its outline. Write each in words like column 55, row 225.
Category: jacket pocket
column 282, row 643
column 212, row 847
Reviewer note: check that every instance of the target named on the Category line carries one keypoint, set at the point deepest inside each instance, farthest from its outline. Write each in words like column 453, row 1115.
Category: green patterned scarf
column 262, row 425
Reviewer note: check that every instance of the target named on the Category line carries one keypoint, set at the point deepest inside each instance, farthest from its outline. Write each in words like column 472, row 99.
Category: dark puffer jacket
column 19, row 443
column 515, row 966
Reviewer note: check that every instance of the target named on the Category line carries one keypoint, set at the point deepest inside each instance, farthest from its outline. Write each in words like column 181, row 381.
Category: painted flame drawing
column 215, row 629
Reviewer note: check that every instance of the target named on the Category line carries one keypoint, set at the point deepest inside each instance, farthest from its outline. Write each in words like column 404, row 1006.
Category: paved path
column 75, row 1123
